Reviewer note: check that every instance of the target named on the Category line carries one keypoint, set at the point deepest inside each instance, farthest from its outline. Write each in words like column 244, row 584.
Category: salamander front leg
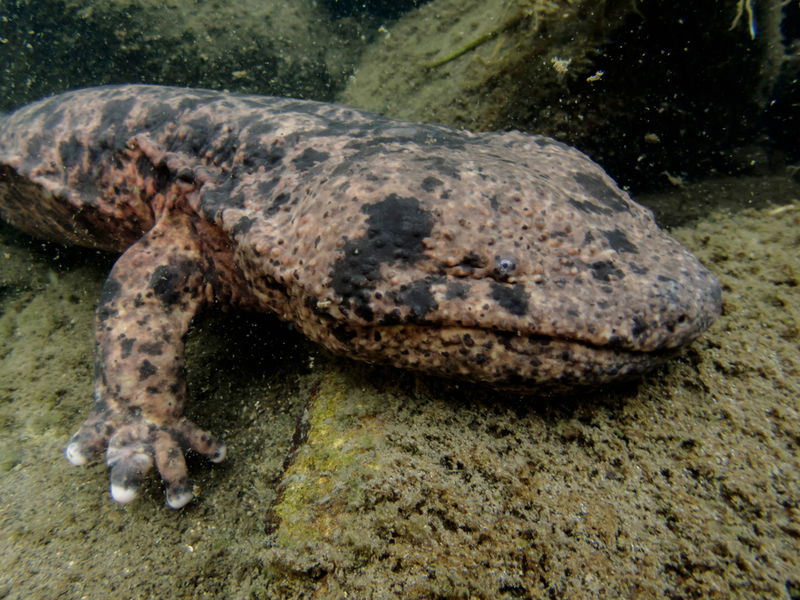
column 147, row 303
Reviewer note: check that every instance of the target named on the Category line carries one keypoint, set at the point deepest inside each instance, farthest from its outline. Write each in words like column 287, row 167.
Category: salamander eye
column 505, row 265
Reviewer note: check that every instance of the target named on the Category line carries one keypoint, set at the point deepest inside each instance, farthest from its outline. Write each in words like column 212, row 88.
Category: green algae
column 328, row 472
column 476, row 80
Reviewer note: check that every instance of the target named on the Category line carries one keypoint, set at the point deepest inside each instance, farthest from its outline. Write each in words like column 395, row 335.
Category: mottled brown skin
column 503, row 258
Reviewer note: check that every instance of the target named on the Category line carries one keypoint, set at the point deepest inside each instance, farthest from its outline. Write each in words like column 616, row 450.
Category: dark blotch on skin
column 639, row 327
column 282, row 199
column 457, row 290
column 546, row 142
column 620, row 242
column 603, row 269
column 152, row 348
column 146, row 369
column 189, row 102
column 470, row 262
column 362, row 307
column 258, row 129
column 127, row 346
column 115, row 113
column 167, row 280
column 243, row 225
column 343, row 334
column 265, row 187
column 512, row 298
column 216, row 197
column 158, row 115
column 147, row 170
column 109, row 293
column 418, row 298
column 396, row 227
column 200, row 132
column 263, row 156
column 600, row 190
column 430, row 183
column 589, row 207
column 276, row 204
column 309, row 158
column 71, row 152
column 391, row 318
column 442, row 165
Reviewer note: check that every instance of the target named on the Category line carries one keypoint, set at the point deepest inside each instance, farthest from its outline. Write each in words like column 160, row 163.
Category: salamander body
column 503, row 258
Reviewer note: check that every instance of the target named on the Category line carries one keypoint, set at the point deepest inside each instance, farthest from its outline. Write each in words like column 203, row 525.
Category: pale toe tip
column 179, row 500
column 220, row 454
column 74, row 455
column 123, row 494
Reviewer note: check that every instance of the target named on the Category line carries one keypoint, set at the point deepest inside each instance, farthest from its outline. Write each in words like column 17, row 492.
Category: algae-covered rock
column 468, row 63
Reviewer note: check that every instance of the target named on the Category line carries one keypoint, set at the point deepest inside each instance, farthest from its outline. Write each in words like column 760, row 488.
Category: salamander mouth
column 502, row 359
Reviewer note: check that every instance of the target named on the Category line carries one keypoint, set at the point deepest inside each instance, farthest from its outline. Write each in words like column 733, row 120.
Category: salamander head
column 514, row 260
